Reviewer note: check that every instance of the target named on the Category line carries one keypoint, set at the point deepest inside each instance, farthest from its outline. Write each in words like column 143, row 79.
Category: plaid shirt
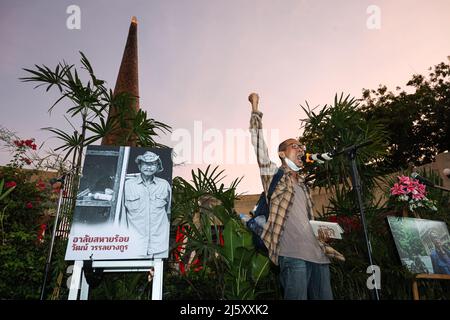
column 283, row 196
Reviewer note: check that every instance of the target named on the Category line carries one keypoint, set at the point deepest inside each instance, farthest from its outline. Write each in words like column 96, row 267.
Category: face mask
column 291, row 164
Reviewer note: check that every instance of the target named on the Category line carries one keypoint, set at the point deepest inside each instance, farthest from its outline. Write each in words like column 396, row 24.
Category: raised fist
column 254, row 99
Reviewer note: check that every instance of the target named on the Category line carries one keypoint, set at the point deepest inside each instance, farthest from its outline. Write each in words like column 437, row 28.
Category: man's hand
column 254, row 100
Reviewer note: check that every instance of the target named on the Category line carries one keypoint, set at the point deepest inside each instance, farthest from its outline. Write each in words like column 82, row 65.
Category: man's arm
column 267, row 167
column 123, row 219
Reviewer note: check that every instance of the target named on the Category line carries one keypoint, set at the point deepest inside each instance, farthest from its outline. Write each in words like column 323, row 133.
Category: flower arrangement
column 413, row 193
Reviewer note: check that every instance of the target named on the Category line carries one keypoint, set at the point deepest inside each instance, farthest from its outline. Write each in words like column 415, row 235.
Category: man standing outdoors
column 288, row 235
column 147, row 206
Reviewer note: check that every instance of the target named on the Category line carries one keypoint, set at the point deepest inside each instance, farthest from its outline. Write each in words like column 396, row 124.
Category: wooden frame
column 422, row 276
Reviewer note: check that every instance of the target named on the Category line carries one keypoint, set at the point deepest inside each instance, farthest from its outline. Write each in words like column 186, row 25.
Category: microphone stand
column 55, row 226
column 437, row 187
column 356, row 181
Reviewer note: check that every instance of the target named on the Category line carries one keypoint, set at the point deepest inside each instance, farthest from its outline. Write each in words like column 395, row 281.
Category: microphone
column 423, row 180
column 318, row 157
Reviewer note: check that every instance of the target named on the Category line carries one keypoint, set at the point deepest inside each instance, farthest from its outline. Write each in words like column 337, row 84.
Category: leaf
column 235, row 238
column 260, row 266
column 3, row 195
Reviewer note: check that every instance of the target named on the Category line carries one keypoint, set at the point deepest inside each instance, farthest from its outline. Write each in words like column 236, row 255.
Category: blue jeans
column 302, row 280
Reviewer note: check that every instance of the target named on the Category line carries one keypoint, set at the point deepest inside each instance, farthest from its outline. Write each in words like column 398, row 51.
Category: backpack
column 261, row 214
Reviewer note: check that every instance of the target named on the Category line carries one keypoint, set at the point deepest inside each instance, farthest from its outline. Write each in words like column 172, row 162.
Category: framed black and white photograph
column 423, row 245
column 123, row 204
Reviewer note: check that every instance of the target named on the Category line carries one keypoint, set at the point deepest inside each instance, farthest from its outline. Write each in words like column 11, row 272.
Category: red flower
column 221, row 241
column 10, row 184
column 197, row 265
column 56, row 189
column 25, row 143
column 348, row 223
column 29, row 205
column 18, row 143
column 41, row 232
column 179, row 238
column 40, row 185
column 26, row 160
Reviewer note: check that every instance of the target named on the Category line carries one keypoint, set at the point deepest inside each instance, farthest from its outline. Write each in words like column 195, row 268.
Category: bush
column 23, row 248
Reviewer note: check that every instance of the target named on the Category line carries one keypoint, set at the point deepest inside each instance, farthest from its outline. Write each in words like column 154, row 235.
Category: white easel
column 79, row 286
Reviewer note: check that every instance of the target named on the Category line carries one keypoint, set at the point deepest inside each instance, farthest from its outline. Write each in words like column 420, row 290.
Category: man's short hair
column 283, row 146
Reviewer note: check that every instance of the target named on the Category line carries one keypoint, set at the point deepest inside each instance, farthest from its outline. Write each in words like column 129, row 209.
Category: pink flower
column 397, row 189
column 411, row 192
column 418, row 196
column 404, row 180
column 29, row 205
column 421, row 188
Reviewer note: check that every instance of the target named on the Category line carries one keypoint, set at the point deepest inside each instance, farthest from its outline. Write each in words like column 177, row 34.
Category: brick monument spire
column 127, row 81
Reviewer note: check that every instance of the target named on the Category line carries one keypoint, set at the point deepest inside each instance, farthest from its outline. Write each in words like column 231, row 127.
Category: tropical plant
column 92, row 101
column 224, row 263
column 417, row 122
column 338, row 126
column 344, row 124
column 100, row 113
column 204, row 209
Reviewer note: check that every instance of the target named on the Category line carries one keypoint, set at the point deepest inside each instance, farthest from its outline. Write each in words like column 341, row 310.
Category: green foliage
column 229, row 270
column 339, row 126
column 100, row 113
column 204, row 208
column 441, row 197
column 343, row 124
column 4, row 194
column 408, row 237
column 418, row 123
column 22, row 255
column 245, row 265
column 92, row 102
column 122, row 286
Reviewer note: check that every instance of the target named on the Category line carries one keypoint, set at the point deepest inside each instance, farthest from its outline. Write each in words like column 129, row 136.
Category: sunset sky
column 199, row 60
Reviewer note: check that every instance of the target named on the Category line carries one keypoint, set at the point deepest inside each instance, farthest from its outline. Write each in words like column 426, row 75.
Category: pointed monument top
column 127, row 79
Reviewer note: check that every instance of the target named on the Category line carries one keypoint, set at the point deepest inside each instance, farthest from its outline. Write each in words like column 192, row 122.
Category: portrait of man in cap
column 147, row 206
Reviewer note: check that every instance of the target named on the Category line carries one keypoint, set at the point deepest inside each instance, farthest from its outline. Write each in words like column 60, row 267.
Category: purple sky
column 199, row 59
